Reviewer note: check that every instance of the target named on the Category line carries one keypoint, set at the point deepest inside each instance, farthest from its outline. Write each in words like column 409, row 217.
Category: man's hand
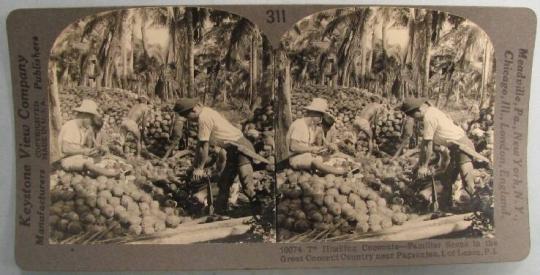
column 90, row 152
column 423, row 171
column 316, row 149
column 198, row 174
column 333, row 147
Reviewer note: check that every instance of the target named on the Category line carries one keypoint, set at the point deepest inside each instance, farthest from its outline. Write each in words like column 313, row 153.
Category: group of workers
column 79, row 141
column 439, row 131
column 236, row 152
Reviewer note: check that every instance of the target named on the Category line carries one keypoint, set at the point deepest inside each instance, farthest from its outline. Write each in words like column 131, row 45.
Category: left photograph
column 161, row 129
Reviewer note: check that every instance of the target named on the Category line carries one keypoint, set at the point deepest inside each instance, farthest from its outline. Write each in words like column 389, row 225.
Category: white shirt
column 440, row 128
column 71, row 133
column 299, row 131
column 214, row 127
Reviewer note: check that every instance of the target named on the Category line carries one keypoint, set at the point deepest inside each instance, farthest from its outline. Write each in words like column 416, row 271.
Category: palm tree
column 245, row 35
column 354, row 23
column 283, row 118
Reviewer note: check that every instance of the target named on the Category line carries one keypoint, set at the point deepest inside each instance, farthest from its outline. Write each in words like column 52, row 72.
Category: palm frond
column 239, row 36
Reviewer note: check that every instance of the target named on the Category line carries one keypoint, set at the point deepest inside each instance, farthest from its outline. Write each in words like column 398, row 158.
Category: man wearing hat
column 214, row 128
column 439, row 129
column 135, row 120
column 301, row 139
column 72, row 141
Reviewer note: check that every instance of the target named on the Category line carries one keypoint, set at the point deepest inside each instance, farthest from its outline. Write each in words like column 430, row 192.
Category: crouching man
column 439, row 129
column 213, row 127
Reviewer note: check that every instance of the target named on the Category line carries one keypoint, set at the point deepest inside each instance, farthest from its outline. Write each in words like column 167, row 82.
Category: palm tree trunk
column 485, row 71
column 143, row 36
column 383, row 42
column 190, row 54
column 56, row 118
column 425, row 79
column 284, row 113
column 273, row 85
column 409, row 56
column 253, row 69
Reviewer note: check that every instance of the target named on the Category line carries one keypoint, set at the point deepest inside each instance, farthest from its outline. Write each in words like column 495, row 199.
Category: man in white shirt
column 439, row 129
column 214, row 128
column 73, row 142
column 301, row 140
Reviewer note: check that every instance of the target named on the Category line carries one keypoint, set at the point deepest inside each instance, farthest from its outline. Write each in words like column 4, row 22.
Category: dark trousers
column 461, row 164
column 237, row 164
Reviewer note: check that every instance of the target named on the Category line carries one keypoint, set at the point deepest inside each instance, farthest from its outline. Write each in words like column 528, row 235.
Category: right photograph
column 384, row 129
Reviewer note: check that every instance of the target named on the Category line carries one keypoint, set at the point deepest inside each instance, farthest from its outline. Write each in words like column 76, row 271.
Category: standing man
column 439, row 129
column 302, row 137
column 214, row 128
column 136, row 120
column 366, row 119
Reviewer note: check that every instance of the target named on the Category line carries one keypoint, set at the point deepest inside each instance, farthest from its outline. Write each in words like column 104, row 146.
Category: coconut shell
column 289, row 223
column 318, row 199
column 334, row 209
column 160, row 226
column 107, row 211
column 135, row 229
column 114, row 201
column 74, row 227
column 301, row 225
column 341, row 199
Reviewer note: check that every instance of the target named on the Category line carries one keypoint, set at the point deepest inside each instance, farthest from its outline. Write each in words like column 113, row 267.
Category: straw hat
column 88, row 106
column 319, row 105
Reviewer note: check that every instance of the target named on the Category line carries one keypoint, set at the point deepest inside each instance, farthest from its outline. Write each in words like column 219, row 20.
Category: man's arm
column 408, row 132
column 171, row 146
column 177, row 133
column 300, row 147
column 202, row 154
column 74, row 149
column 404, row 143
column 143, row 124
column 427, row 152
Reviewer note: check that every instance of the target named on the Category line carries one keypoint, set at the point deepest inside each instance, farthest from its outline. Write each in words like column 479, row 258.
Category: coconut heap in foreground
column 339, row 205
column 87, row 209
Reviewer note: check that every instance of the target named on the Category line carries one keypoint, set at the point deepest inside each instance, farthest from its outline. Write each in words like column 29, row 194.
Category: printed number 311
column 275, row 16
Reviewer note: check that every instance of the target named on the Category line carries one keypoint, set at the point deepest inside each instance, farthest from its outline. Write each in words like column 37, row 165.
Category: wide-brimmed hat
column 184, row 105
column 318, row 105
column 412, row 104
column 88, row 106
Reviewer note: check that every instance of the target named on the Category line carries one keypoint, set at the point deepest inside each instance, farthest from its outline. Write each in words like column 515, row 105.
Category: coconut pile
column 157, row 192
column 332, row 205
column 481, row 132
column 88, row 210
column 259, row 129
column 113, row 101
column 158, row 130
column 344, row 103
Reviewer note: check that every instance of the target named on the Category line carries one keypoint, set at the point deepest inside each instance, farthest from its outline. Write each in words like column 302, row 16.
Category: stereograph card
column 282, row 136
